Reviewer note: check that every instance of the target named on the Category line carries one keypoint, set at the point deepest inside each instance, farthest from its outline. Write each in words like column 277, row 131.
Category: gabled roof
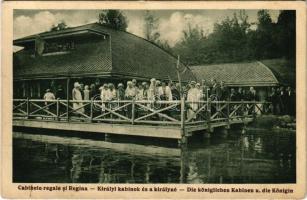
column 128, row 55
column 237, row 74
column 92, row 58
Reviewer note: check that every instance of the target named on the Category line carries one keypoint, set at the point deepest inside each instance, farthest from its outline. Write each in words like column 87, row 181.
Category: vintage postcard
column 151, row 100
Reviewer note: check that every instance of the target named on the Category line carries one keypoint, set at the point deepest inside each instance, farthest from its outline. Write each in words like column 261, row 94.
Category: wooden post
column 133, row 111
column 228, row 112
column 254, row 110
column 183, row 164
column 182, row 122
column 209, row 114
column 91, row 111
column 58, row 109
column 67, row 98
column 28, row 108
column 182, row 109
column 207, row 134
column 178, row 75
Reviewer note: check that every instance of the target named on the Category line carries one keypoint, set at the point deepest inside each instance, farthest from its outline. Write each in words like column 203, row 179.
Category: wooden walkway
column 162, row 119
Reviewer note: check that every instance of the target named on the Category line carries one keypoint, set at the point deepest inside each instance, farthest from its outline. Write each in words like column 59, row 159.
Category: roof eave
column 22, row 41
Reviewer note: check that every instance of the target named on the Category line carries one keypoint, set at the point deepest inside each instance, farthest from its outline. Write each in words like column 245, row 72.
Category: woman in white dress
column 194, row 98
column 151, row 94
column 77, row 96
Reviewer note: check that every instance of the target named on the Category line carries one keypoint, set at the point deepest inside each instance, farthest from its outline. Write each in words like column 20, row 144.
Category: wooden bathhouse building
column 91, row 53
column 262, row 75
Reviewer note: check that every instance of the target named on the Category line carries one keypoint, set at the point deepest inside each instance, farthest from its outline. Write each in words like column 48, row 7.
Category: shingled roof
column 238, row 74
column 127, row 56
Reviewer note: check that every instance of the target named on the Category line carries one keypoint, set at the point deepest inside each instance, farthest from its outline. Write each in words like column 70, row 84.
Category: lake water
column 255, row 157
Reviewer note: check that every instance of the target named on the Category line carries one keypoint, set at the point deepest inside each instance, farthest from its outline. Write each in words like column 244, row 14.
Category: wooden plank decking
column 173, row 132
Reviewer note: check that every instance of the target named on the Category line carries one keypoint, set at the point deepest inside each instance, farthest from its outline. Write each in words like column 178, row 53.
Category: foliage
column 151, row 27
column 235, row 39
column 151, row 31
column 114, row 19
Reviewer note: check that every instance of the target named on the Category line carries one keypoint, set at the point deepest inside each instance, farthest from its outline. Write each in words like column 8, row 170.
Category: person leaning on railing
column 103, row 96
column 86, row 97
column 48, row 96
column 130, row 94
column 120, row 91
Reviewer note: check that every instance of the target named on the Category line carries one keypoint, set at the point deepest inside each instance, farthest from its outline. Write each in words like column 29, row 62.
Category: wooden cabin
column 91, row 53
column 262, row 75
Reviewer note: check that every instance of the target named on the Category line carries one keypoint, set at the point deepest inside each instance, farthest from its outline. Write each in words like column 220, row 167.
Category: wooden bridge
column 163, row 119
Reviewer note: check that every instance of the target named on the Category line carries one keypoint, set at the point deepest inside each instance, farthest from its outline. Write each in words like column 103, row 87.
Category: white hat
column 76, row 84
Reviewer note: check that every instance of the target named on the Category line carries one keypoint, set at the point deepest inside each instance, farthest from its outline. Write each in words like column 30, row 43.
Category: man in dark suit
column 224, row 92
column 290, row 101
column 215, row 91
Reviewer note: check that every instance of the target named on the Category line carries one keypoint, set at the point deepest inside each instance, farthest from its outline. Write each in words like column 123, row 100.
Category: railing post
column 209, row 109
column 209, row 114
column 228, row 112
column 254, row 110
column 91, row 110
column 183, row 140
column 58, row 109
column 67, row 97
column 28, row 108
column 133, row 111
column 182, row 114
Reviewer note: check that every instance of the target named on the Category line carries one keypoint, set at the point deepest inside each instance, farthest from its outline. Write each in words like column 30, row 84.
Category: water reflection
column 253, row 158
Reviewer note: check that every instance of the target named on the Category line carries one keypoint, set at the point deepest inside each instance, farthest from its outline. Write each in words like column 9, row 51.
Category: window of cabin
column 49, row 48
column 52, row 47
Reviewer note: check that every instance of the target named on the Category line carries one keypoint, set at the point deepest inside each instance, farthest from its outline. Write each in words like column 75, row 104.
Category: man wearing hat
column 130, row 94
column 120, row 91
column 145, row 90
column 130, row 91
column 215, row 91
column 224, row 92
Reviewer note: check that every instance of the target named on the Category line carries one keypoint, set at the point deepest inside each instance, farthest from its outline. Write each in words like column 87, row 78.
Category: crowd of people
column 283, row 100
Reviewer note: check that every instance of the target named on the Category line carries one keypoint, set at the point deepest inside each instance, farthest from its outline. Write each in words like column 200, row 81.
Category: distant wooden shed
column 259, row 74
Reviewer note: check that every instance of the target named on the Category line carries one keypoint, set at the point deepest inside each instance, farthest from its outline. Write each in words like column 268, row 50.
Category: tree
column 151, row 24
column 151, row 31
column 264, row 20
column 262, row 41
column 190, row 48
column 228, row 41
column 114, row 19
column 286, row 31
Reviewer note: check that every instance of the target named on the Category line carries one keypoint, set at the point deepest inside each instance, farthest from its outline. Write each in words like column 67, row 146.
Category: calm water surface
column 256, row 157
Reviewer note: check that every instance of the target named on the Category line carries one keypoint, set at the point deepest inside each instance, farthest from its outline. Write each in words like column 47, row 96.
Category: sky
column 171, row 22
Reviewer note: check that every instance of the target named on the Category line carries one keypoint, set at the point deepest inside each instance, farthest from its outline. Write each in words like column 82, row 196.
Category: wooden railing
column 179, row 112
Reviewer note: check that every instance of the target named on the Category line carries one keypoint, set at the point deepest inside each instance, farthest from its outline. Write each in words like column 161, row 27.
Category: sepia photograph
column 154, row 96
